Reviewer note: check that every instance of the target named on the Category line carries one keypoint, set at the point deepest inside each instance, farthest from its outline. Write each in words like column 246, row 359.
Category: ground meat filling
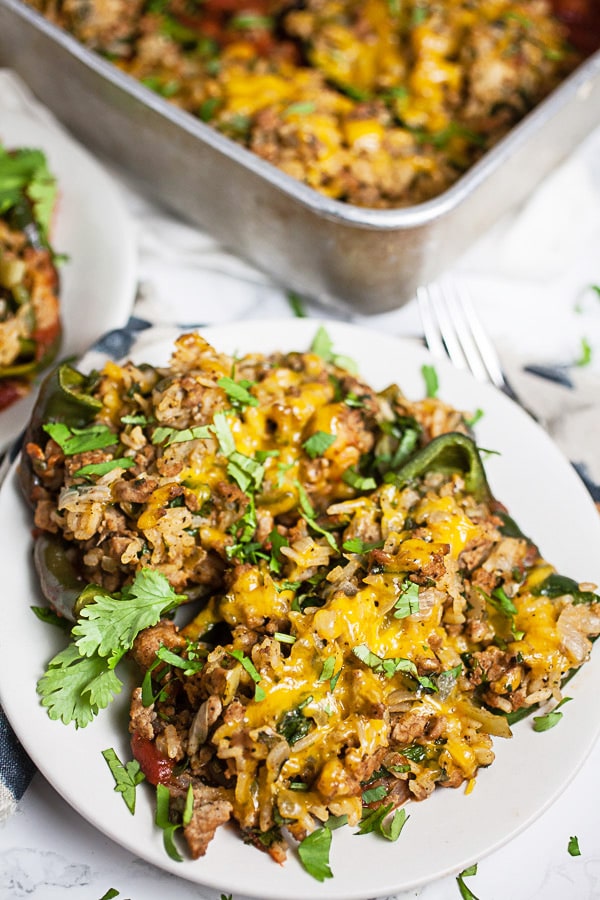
column 376, row 104
column 362, row 621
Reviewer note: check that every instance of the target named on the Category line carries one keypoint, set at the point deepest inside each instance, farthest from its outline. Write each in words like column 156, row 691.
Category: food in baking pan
column 379, row 104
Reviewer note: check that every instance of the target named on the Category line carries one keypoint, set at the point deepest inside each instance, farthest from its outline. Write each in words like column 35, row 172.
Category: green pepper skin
column 59, row 581
column 63, row 397
column 448, row 453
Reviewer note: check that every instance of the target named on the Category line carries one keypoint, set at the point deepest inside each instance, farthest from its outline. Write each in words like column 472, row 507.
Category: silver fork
column 453, row 329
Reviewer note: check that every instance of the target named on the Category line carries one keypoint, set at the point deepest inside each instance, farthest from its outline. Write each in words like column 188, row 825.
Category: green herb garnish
column 127, row 777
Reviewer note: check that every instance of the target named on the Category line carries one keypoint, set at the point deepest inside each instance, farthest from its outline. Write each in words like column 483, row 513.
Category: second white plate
column 92, row 227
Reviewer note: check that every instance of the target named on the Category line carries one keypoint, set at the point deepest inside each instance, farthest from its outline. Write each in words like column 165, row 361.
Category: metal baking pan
column 366, row 260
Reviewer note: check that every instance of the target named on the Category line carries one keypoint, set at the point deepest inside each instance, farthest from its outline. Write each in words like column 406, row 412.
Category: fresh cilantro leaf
column 573, row 846
column 501, row 602
column 189, row 666
column 318, row 443
column 294, row 299
column 354, row 401
column 357, row 481
column 127, row 776
column 24, row 173
column 372, row 795
column 188, row 809
column 80, row 680
column 430, row 377
column 383, row 666
column 123, row 462
column 163, row 821
column 110, row 894
column 248, row 665
column 74, row 687
column 355, row 545
column 109, row 624
column 465, row 892
column 328, row 669
column 407, row 603
column 80, row 440
column 322, row 345
column 585, row 356
column 392, row 831
column 223, row 434
column 314, row 853
column 284, row 638
column 139, row 419
column 167, row 436
column 372, row 819
column 238, row 392
column 245, row 471
column 471, row 421
column 294, row 725
column 277, row 541
column 548, row 721
column 308, row 514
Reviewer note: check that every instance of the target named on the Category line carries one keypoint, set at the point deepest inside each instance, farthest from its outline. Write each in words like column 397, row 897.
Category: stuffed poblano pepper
column 30, row 328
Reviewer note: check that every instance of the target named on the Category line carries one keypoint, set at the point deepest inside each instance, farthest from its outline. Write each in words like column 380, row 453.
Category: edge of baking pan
column 403, row 218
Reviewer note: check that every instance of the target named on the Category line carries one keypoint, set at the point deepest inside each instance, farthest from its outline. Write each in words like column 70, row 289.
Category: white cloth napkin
column 531, row 278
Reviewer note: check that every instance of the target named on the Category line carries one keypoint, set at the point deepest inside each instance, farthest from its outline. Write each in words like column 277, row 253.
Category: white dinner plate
column 92, row 227
column 443, row 834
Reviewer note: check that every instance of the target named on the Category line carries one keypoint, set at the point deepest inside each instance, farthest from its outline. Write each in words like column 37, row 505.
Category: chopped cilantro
column 308, row 514
column 357, row 481
column 465, row 892
column 549, row 720
column 389, row 666
column 318, row 443
column 238, row 392
column 585, row 356
column 372, row 795
column 163, row 821
column 430, row 377
column 374, row 821
column 284, row 638
column 294, row 299
column 471, row 421
column 80, row 680
column 355, row 545
column 80, row 440
column 248, row 665
column 135, row 420
column 127, row 776
column 322, row 345
column 122, row 462
column 573, row 846
column 315, row 848
column 294, row 725
column 24, row 173
column 190, row 666
column 168, row 436
column 408, row 602
column 223, row 434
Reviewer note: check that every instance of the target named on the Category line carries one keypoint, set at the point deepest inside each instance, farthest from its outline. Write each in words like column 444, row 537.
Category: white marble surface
column 531, row 279
column 48, row 852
